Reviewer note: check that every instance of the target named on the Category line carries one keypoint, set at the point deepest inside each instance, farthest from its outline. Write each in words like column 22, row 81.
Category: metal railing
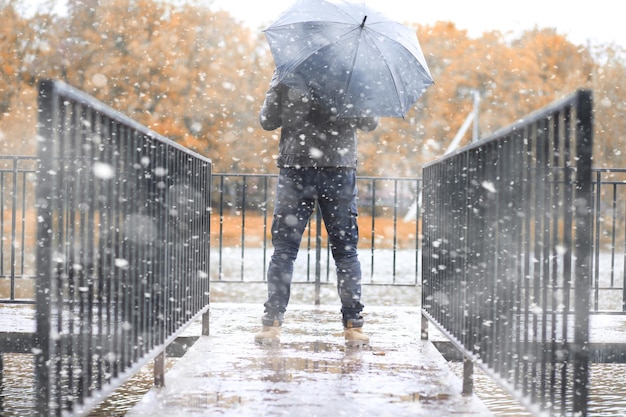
column 388, row 228
column 122, row 248
column 507, row 255
column 241, row 221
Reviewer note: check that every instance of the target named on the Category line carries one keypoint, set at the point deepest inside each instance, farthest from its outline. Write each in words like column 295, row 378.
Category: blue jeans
column 296, row 193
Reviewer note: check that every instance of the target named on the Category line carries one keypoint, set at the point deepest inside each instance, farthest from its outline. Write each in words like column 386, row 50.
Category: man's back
column 311, row 135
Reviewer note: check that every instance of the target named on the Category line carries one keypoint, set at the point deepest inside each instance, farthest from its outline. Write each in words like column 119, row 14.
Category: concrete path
column 311, row 373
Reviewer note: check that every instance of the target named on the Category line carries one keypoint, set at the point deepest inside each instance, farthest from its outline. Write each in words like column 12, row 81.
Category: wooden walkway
column 311, row 373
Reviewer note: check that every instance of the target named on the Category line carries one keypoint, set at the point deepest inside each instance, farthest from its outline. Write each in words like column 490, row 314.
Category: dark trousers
column 296, row 193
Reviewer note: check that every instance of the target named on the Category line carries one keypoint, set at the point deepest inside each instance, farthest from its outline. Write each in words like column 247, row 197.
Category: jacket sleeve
column 270, row 116
column 367, row 123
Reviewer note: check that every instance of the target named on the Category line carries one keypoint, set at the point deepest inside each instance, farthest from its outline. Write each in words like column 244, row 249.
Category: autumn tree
column 22, row 42
column 199, row 77
column 609, row 107
column 183, row 71
column 513, row 79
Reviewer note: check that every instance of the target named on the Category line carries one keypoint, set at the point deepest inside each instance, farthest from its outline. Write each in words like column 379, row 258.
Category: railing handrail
column 83, row 99
column 529, row 119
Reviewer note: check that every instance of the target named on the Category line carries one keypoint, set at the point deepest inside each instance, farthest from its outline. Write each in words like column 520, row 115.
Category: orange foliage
column 199, row 77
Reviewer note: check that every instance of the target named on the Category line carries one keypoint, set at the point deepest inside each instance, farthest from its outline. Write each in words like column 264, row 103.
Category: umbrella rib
column 349, row 28
column 393, row 77
column 356, row 53
column 373, row 29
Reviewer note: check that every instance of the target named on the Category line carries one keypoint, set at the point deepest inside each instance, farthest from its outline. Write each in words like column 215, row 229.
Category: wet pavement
column 311, row 373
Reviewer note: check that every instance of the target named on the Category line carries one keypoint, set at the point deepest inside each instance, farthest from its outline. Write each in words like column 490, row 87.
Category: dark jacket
column 311, row 136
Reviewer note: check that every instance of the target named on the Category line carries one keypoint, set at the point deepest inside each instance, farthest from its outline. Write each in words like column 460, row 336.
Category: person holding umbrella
column 339, row 67
column 317, row 161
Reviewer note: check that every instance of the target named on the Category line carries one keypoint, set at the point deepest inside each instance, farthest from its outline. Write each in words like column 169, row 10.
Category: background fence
column 609, row 240
column 18, row 225
column 508, row 251
column 240, row 237
column 388, row 227
column 122, row 248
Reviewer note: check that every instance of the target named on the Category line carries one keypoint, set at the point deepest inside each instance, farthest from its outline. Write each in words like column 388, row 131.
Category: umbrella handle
column 363, row 22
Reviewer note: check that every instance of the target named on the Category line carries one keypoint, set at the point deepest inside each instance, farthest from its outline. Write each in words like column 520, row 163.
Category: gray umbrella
column 355, row 60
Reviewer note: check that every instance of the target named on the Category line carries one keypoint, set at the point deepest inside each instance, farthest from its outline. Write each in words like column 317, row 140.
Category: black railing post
column 468, row 377
column 13, row 227
column 597, row 190
column 47, row 128
column 583, row 211
column 159, row 370
column 318, row 254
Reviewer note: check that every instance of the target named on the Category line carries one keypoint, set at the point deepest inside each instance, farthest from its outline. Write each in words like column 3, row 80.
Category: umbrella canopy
column 355, row 60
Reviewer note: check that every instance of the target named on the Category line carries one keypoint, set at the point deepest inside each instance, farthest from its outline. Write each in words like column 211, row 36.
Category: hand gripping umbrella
column 353, row 59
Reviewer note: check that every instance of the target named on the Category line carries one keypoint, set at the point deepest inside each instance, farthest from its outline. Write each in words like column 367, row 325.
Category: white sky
column 597, row 21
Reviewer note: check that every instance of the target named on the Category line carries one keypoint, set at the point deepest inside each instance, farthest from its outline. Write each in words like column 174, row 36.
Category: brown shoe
column 355, row 336
column 269, row 335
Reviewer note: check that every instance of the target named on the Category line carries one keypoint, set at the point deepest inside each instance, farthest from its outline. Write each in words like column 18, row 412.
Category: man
column 317, row 161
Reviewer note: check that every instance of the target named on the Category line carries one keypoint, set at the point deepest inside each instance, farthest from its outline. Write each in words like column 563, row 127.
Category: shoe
column 354, row 336
column 269, row 335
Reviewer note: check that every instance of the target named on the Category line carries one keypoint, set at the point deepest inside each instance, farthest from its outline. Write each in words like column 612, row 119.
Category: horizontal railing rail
column 122, row 248
column 507, row 255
